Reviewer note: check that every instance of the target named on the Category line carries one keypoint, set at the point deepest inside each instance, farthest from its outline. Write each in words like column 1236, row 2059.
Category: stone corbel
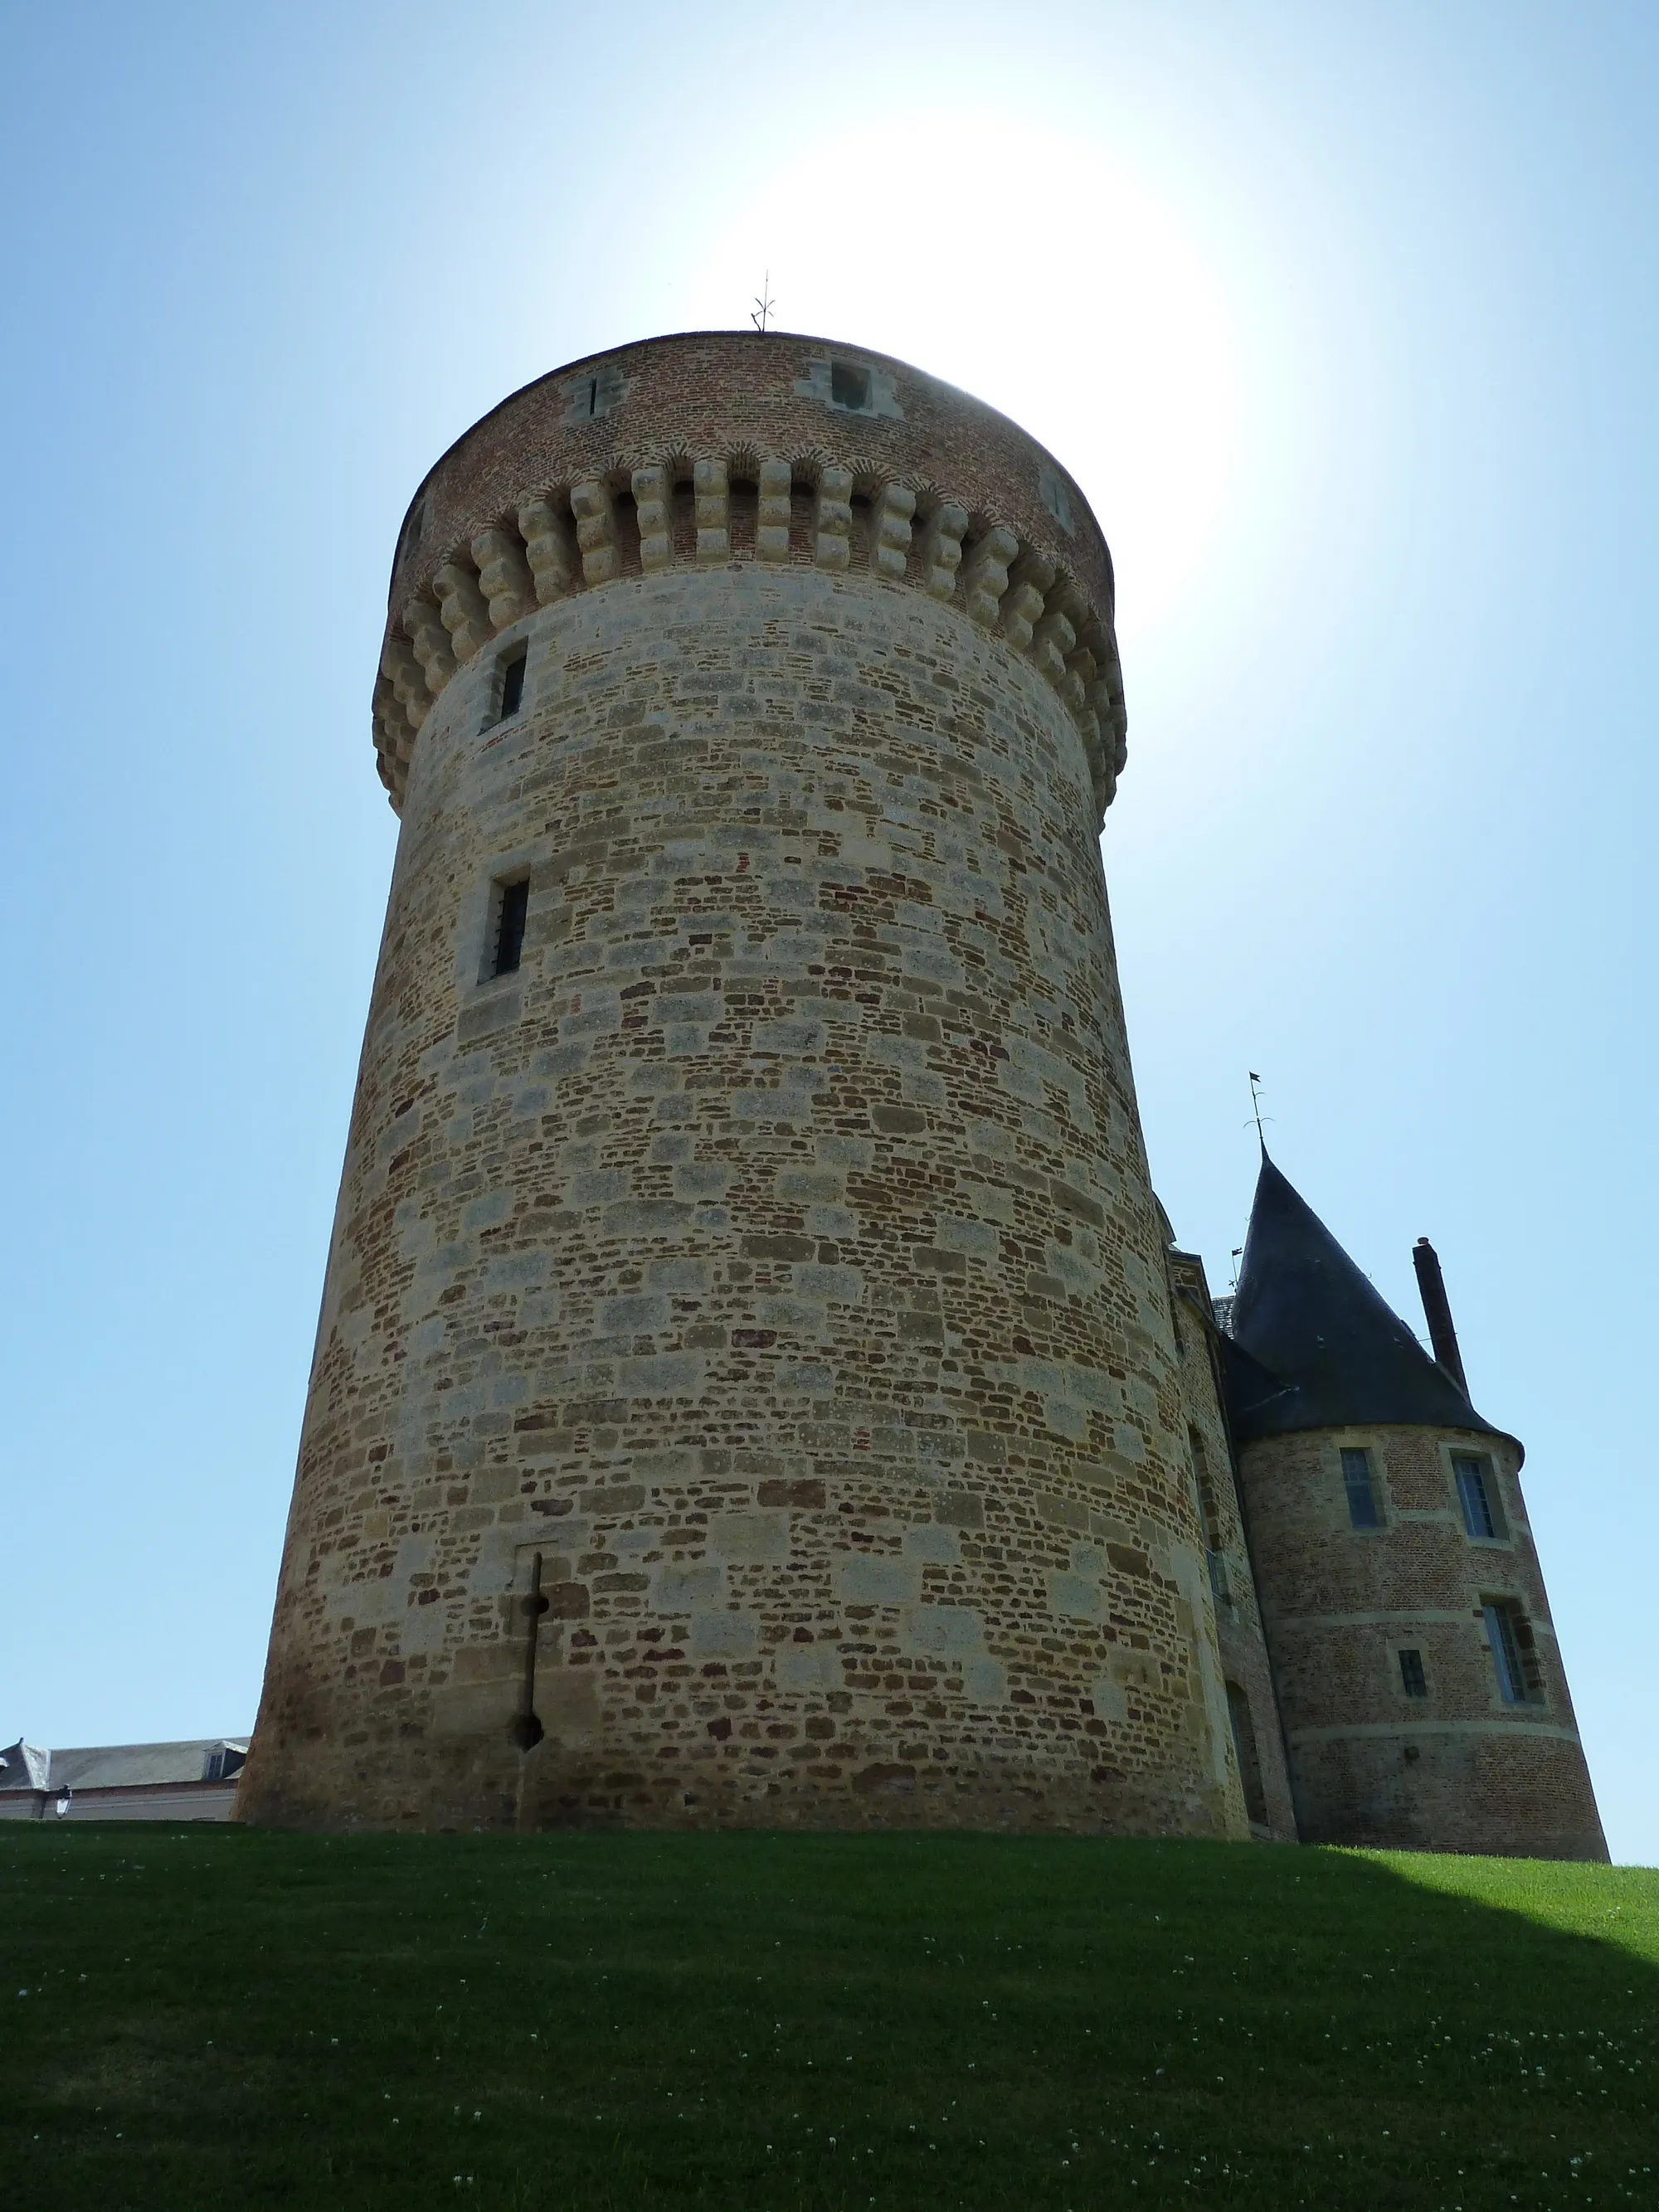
column 985, row 579
column 548, row 549
column 466, row 615
column 407, row 678
column 503, row 578
column 1055, row 639
column 890, row 547
column 596, row 530
column 833, row 518
column 393, row 738
column 1074, row 689
column 711, row 495
column 653, row 500
column 425, row 626
column 941, row 549
column 772, row 514
column 1031, row 579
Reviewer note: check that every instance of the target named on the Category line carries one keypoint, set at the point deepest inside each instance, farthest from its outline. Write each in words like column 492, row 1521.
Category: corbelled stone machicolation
column 607, row 470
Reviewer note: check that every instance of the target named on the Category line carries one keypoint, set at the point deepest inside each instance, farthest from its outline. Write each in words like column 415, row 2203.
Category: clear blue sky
column 1343, row 315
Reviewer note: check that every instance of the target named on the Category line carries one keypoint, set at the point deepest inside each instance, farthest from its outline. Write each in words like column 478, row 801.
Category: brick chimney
column 1436, row 1309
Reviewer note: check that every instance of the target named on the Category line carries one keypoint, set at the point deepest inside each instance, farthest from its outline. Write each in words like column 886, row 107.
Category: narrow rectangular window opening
column 512, row 904
column 1413, row 1679
column 1204, row 1489
column 1477, row 1493
column 1514, row 1654
column 849, row 385
column 1249, row 1760
column 513, row 685
column 1362, row 1493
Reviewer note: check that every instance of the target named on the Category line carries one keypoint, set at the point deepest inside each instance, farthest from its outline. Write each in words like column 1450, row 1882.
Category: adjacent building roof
column 121, row 1765
column 1313, row 1345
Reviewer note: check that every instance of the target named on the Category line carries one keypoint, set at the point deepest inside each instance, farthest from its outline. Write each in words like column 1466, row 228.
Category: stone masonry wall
column 1457, row 1769
column 1240, row 1642
column 767, row 1271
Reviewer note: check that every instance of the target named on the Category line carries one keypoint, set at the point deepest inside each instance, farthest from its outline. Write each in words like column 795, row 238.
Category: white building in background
column 192, row 1781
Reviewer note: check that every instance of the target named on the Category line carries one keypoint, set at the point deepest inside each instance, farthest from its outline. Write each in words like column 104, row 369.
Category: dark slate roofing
column 113, row 1767
column 1313, row 1345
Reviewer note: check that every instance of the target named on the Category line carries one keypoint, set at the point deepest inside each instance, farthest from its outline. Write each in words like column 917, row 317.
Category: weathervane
column 1255, row 1110
column 765, row 305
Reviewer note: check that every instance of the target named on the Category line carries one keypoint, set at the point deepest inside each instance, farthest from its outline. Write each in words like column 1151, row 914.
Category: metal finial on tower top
column 1255, row 1110
column 765, row 304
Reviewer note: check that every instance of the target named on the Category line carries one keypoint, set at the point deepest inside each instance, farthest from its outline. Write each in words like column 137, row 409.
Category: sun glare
column 1065, row 294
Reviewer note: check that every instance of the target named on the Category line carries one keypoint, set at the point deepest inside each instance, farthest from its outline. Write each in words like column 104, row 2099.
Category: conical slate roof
column 1313, row 1346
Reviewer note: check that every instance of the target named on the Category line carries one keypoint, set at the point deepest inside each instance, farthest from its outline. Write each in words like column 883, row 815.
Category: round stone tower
column 745, row 1389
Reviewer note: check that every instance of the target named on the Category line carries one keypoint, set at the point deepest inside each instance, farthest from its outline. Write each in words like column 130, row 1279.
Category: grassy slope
column 217, row 2018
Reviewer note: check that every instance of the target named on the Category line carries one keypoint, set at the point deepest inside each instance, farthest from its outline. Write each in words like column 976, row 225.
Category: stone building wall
column 1241, row 1644
column 1458, row 1768
column 764, row 1277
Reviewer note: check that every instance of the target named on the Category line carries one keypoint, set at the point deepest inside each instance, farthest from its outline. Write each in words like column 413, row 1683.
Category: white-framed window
column 1514, row 1652
column 1359, row 1482
column 1478, row 1497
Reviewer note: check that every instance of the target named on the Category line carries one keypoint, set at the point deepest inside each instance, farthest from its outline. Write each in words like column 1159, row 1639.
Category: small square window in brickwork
column 1477, row 1493
column 1358, row 1481
column 511, row 905
column 1413, row 1679
column 849, row 385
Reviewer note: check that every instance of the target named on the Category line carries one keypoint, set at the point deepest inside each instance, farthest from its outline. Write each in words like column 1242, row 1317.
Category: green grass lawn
column 215, row 2017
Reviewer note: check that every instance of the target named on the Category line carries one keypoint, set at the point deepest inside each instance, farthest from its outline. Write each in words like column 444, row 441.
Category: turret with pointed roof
column 1314, row 1344
column 1418, row 1678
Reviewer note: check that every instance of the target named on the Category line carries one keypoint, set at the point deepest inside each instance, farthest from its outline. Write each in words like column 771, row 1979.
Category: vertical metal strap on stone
column 596, row 530
column 941, row 549
column 772, row 511
column 548, row 548
column 407, row 678
column 833, row 519
column 653, row 500
column 425, row 626
column 985, row 579
column 1030, row 578
column 528, row 1730
column 503, row 577
column 890, row 539
column 466, row 615
column 711, row 495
